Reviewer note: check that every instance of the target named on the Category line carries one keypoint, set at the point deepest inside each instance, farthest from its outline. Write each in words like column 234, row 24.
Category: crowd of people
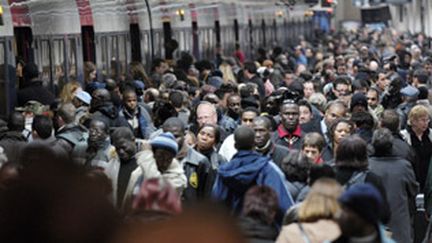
column 323, row 141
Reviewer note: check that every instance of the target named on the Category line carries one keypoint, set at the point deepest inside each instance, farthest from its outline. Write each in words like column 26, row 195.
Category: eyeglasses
column 371, row 98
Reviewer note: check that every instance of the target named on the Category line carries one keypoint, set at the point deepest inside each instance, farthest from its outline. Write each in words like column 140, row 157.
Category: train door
column 195, row 40
column 88, row 45
column 135, row 43
column 217, row 32
column 167, row 37
column 23, row 41
column 7, row 77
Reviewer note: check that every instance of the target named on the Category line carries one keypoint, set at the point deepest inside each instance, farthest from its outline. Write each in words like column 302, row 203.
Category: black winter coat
column 35, row 91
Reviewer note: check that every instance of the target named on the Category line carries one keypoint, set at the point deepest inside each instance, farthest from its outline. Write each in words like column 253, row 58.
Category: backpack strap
column 357, row 177
column 304, row 235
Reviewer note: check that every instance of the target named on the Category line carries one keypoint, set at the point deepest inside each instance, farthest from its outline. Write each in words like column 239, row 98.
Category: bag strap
column 304, row 235
column 357, row 177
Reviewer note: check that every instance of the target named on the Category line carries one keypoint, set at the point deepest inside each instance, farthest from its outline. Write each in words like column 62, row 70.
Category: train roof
column 58, row 17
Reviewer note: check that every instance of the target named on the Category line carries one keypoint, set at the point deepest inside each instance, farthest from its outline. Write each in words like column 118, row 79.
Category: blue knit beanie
column 365, row 200
column 166, row 141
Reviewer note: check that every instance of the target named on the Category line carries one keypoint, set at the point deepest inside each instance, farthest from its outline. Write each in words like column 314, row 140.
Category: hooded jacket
column 109, row 113
column 246, row 169
column 145, row 122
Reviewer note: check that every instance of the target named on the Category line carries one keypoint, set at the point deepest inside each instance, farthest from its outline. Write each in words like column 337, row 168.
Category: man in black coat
column 34, row 89
column 263, row 144
column 400, row 185
column 102, row 108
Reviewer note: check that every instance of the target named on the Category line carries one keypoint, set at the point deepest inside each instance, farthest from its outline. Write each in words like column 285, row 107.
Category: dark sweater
column 126, row 169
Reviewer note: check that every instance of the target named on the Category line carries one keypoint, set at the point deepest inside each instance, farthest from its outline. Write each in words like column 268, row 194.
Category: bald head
column 244, row 138
column 102, row 94
column 67, row 112
column 206, row 114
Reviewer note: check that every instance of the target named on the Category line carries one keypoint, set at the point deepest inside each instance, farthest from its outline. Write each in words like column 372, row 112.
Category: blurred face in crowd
column 383, row 82
column 234, row 104
column 288, row 79
column 305, row 114
column 206, row 114
column 247, row 118
column 262, row 133
column 290, row 114
column 130, row 101
column 92, row 75
column 163, row 159
column 162, row 68
column 308, row 89
column 372, row 98
column 125, row 149
column 271, row 106
column 97, row 132
column 311, row 152
column 206, row 138
column 342, row 130
column 333, row 113
column 341, row 69
column 420, row 124
column 341, row 90
column 178, row 134
column 428, row 68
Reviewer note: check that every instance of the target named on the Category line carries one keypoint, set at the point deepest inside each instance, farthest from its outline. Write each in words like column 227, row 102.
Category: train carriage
column 60, row 35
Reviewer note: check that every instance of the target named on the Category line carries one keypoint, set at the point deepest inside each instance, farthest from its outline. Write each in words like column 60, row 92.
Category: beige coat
column 317, row 232
column 147, row 168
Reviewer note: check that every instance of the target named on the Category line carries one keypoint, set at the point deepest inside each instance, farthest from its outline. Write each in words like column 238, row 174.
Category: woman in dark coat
column 257, row 221
column 351, row 167
column 400, row 185
column 207, row 139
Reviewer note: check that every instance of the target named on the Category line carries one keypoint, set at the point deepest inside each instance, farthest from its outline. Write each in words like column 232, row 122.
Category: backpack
column 357, row 177
column 78, row 138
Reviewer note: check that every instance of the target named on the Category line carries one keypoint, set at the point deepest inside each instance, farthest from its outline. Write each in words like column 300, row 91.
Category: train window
column 122, row 57
column 157, row 44
column 58, row 55
column 145, row 48
column 113, row 56
column 44, row 58
column 72, row 53
column 104, row 55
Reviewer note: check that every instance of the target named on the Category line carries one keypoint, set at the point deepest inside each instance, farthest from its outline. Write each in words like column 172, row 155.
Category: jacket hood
column 13, row 136
column 242, row 170
column 108, row 109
